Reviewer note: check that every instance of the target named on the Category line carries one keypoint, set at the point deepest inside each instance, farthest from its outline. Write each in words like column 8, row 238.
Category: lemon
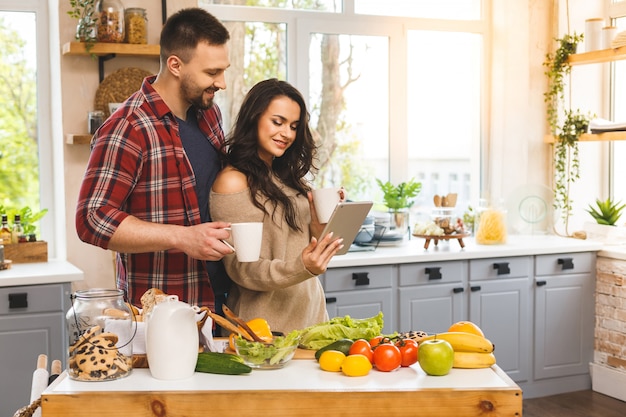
column 356, row 365
column 331, row 360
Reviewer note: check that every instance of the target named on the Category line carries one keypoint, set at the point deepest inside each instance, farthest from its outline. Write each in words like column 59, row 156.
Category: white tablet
column 346, row 221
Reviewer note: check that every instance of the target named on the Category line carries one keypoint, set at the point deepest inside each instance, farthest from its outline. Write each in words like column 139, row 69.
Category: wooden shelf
column 594, row 137
column 121, row 49
column 82, row 139
column 594, row 57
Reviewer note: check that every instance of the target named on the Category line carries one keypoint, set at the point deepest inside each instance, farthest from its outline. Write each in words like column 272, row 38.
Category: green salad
column 272, row 354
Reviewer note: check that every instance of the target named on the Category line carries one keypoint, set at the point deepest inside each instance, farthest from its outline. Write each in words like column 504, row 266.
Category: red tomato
column 409, row 350
column 375, row 341
column 387, row 357
column 362, row 347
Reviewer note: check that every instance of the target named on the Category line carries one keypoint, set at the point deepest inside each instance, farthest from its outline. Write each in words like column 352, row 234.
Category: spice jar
column 136, row 25
column 110, row 22
column 100, row 329
column 94, row 120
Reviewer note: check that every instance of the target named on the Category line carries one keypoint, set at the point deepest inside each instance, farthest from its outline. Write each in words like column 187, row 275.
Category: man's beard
column 190, row 92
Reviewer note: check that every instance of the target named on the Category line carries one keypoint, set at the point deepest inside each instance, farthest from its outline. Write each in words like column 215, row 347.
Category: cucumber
column 342, row 345
column 221, row 363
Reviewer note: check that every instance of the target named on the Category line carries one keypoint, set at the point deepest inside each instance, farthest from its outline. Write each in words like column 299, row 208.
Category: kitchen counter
column 413, row 250
column 299, row 389
column 50, row 272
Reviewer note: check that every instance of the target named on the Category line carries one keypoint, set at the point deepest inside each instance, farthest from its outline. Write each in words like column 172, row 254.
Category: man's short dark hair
column 186, row 28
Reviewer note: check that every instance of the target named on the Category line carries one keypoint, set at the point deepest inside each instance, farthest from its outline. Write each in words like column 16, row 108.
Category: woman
column 269, row 153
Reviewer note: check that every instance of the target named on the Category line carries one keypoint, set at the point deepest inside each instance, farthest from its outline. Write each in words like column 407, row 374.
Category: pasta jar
column 491, row 226
column 136, row 25
column 110, row 22
column 100, row 329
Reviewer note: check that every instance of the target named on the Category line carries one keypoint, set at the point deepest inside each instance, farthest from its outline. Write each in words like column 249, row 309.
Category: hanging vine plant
column 566, row 125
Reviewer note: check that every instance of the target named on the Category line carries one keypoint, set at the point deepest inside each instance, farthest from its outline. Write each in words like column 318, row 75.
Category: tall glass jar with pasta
column 490, row 225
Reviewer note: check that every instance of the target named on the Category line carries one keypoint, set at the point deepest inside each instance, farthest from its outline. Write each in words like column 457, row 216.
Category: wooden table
column 300, row 389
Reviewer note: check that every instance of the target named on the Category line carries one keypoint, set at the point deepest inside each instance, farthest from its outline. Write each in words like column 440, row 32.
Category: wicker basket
column 118, row 86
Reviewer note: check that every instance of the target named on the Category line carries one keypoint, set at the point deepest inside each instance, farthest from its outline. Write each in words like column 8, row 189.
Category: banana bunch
column 470, row 350
column 473, row 360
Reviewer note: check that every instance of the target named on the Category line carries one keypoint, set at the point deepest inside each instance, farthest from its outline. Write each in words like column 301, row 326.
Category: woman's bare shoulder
column 229, row 180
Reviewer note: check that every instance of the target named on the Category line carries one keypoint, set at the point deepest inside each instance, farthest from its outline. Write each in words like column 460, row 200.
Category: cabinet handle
column 457, row 290
column 361, row 278
column 475, row 288
column 566, row 263
column 330, row 300
column 541, row 283
column 18, row 300
column 502, row 268
column 433, row 273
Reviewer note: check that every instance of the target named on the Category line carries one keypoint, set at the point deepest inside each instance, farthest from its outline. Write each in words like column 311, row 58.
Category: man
column 152, row 164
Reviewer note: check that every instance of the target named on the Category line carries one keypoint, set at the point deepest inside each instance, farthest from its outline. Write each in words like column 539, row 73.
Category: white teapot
column 172, row 339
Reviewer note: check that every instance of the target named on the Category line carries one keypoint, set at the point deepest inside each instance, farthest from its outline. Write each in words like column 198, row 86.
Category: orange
column 466, row 327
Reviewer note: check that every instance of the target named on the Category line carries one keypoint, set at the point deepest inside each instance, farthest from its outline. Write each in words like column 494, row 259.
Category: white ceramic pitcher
column 172, row 339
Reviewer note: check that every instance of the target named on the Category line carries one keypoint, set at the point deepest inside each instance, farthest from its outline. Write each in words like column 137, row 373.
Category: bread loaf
column 151, row 298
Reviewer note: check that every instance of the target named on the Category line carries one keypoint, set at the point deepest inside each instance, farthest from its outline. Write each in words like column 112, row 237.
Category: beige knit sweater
column 277, row 287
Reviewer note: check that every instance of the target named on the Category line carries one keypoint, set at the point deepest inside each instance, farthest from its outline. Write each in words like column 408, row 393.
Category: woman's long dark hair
column 242, row 150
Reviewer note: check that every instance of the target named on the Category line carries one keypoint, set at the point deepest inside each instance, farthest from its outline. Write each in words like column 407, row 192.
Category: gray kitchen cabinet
column 499, row 304
column 564, row 314
column 431, row 296
column 361, row 292
column 32, row 322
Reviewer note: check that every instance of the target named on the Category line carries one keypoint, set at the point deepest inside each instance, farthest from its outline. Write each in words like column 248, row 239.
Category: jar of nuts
column 110, row 21
column 136, row 25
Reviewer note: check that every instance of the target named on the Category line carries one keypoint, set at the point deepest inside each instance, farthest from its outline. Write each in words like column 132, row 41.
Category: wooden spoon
column 238, row 320
column 437, row 200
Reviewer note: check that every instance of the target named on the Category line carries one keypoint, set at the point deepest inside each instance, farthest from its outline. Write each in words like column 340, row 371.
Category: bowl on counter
column 274, row 355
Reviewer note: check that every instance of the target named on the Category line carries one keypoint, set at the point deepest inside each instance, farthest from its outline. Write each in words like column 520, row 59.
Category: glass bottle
column 100, row 330
column 490, row 224
column 110, row 23
column 5, row 231
column 136, row 25
column 18, row 229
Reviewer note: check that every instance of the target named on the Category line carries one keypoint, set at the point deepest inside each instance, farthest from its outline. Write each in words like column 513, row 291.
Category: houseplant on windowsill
column 398, row 199
column 606, row 214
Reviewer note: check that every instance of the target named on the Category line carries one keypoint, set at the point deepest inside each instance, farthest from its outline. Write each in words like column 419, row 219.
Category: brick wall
column 610, row 329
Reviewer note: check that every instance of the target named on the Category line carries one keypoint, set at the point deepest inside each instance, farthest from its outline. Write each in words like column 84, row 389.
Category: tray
column 457, row 236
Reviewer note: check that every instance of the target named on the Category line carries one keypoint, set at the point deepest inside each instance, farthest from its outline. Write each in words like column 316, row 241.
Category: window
column 25, row 127
column 402, row 76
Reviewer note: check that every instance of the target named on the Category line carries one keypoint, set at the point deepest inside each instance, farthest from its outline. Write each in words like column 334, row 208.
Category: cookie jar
column 100, row 330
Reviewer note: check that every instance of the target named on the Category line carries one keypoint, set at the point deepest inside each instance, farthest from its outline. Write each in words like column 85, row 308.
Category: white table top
column 297, row 375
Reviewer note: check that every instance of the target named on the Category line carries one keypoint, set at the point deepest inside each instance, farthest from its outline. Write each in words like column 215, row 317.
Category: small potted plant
column 85, row 12
column 606, row 214
column 398, row 199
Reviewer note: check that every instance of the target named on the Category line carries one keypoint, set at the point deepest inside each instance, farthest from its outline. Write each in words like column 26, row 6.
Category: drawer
column 343, row 279
column 499, row 268
column 31, row 299
column 565, row 263
column 433, row 273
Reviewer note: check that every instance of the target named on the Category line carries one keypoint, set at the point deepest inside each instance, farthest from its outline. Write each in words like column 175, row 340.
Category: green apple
column 436, row 357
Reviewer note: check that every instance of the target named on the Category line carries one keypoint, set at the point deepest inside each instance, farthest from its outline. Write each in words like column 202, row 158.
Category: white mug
column 325, row 200
column 247, row 239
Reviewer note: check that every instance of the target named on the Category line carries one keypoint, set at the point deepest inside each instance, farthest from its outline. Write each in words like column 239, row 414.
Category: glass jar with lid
column 100, row 330
column 110, row 21
column 136, row 25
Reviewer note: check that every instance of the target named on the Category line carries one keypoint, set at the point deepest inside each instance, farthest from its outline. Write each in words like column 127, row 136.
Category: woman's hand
column 315, row 227
column 317, row 254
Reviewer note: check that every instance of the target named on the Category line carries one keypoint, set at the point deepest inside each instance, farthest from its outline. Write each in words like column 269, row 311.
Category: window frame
column 300, row 24
column 51, row 190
